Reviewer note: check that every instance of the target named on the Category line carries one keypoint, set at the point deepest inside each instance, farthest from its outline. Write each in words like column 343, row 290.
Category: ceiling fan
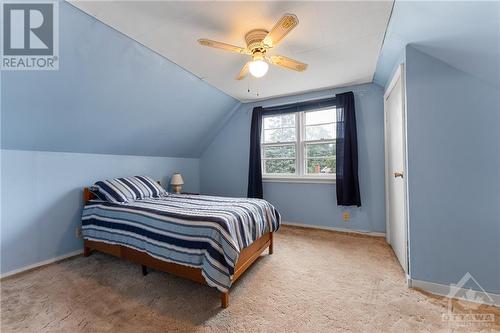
column 259, row 41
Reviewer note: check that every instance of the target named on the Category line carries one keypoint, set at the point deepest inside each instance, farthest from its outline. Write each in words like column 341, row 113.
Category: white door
column 395, row 167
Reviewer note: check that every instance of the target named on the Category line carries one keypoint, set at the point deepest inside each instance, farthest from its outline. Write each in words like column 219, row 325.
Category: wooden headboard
column 87, row 195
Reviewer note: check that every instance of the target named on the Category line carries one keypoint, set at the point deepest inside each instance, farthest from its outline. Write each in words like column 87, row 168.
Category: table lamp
column 176, row 181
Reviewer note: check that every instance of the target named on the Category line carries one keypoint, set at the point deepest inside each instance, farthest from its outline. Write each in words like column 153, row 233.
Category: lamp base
column 177, row 189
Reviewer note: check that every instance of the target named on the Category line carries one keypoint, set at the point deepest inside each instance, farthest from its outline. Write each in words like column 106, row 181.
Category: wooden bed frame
column 247, row 257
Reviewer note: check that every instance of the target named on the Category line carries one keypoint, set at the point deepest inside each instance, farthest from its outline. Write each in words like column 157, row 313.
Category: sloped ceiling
column 465, row 35
column 340, row 40
column 110, row 95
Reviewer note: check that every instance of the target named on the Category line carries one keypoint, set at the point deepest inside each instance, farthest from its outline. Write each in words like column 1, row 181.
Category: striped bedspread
column 199, row 231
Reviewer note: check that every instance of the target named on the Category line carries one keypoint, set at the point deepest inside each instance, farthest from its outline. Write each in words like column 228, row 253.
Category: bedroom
column 337, row 163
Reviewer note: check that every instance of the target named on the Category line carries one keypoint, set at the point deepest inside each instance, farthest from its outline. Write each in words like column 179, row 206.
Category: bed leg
column 144, row 270
column 271, row 247
column 86, row 251
column 224, row 300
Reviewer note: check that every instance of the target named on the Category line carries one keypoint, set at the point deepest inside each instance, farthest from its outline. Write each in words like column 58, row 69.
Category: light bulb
column 258, row 68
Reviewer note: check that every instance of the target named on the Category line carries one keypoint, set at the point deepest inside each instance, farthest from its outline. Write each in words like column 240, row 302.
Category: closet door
column 395, row 173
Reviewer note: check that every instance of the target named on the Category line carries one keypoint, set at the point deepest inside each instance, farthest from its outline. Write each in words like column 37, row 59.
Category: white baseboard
column 446, row 290
column 41, row 263
column 360, row 232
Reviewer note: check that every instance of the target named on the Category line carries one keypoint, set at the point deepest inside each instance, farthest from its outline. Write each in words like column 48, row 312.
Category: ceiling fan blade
column 287, row 63
column 281, row 29
column 244, row 71
column 223, row 46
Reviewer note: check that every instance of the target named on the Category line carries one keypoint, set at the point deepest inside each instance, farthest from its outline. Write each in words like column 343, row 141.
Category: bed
column 209, row 240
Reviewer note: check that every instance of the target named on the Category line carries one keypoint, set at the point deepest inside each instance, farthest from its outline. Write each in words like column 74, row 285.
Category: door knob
column 398, row 174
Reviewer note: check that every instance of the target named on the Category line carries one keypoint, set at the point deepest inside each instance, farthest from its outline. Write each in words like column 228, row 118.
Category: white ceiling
column 339, row 40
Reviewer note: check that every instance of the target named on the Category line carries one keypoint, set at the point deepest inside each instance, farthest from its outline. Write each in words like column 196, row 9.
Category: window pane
column 319, row 132
column 320, row 150
column 279, row 135
column 284, row 120
column 272, row 135
column 288, row 120
column 279, row 166
column 288, row 134
column 279, row 151
column 272, row 122
column 320, row 117
column 321, row 165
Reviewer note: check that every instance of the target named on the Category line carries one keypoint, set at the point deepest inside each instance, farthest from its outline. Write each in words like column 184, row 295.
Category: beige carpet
column 316, row 281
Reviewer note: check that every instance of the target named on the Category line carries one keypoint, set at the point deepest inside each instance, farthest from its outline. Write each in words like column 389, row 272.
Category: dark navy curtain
column 255, row 166
column 347, row 182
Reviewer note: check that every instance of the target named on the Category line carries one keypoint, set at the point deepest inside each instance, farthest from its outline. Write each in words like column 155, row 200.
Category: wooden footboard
column 247, row 257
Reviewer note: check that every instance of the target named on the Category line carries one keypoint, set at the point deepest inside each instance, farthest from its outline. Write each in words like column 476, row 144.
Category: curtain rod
column 295, row 103
column 321, row 99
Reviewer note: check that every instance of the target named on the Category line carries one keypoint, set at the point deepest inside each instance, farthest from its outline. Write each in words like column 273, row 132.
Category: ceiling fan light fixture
column 259, row 42
column 258, row 68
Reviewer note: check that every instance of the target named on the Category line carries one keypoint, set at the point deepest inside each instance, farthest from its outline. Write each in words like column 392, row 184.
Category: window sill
column 306, row 180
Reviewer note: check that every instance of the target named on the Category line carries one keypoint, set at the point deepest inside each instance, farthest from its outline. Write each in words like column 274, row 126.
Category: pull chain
column 249, row 90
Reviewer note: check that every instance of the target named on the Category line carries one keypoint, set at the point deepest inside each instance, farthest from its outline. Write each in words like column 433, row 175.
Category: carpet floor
column 316, row 281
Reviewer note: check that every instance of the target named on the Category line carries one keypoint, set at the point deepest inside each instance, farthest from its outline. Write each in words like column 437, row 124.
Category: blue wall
column 453, row 122
column 453, row 80
column 224, row 167
column 42, row 197
column 111, row 95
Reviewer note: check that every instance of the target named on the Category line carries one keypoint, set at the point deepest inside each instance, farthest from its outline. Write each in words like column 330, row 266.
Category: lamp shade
column 176, row 179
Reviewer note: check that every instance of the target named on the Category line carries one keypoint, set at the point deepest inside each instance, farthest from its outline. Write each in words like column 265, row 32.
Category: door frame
column 398, row 75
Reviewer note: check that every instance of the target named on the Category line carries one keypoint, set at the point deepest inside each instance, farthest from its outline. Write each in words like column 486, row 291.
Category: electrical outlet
column 78, row 232
column 346, row 216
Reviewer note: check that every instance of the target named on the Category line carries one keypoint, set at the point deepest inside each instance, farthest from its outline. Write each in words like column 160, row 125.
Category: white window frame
column 300, row 175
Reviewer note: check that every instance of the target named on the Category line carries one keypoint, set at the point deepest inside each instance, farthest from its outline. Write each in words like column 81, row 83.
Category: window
column 299, row 145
